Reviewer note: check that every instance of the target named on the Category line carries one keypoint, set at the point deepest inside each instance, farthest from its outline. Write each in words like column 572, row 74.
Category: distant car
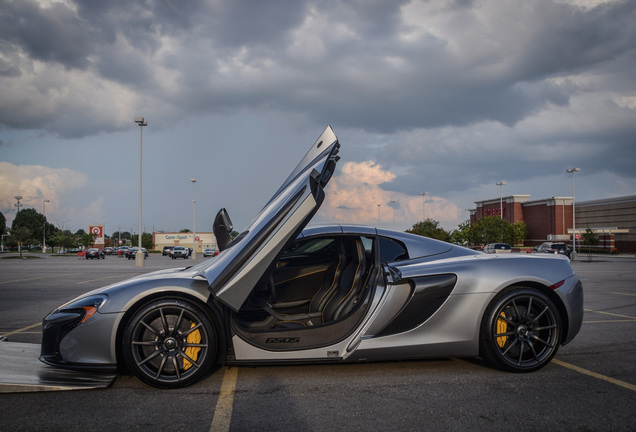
column 132, row 253
column 93, row 253
column 122, row 250
column 553, row 248
column 166, row 250
column 497, row 248
column 108, row 250
column 180, row 252
column 210, row 252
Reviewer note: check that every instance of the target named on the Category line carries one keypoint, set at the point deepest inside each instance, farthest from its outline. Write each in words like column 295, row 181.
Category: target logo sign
column 97, row 230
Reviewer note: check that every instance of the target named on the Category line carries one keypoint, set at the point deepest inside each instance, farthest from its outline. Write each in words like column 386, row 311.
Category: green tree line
column 488, row 229
column 31, row 229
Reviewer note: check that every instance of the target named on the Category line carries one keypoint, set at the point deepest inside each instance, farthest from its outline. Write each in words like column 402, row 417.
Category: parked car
column 208, row 252
column 497, row 248
column 179, row 252
column 553, row 248
column 93, row 253
column 166, row 250
column 122, row 250
column 132, row 253
column 108, row 250
column 280, row 292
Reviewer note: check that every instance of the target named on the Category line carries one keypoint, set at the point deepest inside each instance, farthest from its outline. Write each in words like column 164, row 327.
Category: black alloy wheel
column 521, row 330
column 170, row 343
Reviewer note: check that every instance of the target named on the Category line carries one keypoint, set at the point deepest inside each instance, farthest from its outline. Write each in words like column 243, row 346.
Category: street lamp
column 194, row 230
column 572, row 171
column 423, row 195
column 18, row 197
column 379, row 218
column 394, row 202
column 501, row 184
column 44, row 226
column 139, row 258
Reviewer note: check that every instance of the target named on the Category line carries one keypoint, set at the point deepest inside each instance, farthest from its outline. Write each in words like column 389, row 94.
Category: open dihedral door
column 235, row 271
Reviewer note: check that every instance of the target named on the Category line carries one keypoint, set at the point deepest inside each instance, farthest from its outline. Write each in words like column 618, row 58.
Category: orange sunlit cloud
column 354, row 194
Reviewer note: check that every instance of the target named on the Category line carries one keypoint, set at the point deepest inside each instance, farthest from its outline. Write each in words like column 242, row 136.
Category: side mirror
column 222, row 228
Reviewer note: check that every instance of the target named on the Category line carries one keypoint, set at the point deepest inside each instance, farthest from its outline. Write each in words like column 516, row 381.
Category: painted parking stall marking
column 223, row 410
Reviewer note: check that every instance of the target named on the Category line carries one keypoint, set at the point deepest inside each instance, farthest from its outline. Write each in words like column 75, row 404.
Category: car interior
column 316, row 281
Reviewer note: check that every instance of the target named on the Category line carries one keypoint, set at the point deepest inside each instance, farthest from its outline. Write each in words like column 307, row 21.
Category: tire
column 170, row 343
column 521, row 330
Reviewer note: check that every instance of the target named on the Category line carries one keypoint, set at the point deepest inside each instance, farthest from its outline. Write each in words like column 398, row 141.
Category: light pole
column 572, row 171
column 44, row 226
column 379, row 218
column 18, row 205
column 501, row 185
column 2, row 242
column 18, row 198
column 394, row 202
column 194, row 230
column 423, row 195
column 139, row 258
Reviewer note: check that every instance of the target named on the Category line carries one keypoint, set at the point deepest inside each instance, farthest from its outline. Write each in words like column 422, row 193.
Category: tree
column 488, row 229
column 21, row 235
column 33, row 221
column 429, row 228
column 518, row 233
column 63, row 239
column 461, row 234
column 146, row 241
column 124, row 235
column 589, row 238
column 493, row 229
column 3, row 224
column 185, row 230
column 86, row 240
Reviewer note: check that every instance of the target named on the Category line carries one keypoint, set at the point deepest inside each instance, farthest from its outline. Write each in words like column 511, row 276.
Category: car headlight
column 63, row 320
column 86, row 305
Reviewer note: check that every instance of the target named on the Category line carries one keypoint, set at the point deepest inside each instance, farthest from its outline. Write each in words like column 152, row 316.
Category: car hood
column 236, row 270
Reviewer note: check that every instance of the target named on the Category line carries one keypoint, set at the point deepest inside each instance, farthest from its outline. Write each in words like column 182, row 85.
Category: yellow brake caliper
column 502, row 327
column 192, row 352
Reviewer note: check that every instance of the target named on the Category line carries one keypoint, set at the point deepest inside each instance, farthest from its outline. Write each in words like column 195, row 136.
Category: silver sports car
column 284, row 293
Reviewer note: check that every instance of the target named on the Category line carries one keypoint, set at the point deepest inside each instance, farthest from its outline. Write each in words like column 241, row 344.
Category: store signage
column 493, row 212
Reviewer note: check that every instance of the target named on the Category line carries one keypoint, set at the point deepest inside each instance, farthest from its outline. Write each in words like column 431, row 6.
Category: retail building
column 613, row 220
column 202, row 240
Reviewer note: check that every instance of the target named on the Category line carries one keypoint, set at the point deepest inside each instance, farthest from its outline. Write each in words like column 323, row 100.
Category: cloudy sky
column 447, row 97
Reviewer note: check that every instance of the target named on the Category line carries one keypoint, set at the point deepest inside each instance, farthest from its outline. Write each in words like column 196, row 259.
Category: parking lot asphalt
column 589, row 386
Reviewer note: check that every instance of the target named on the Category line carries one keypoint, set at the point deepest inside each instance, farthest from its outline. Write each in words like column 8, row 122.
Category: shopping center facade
column 613, row 220
column 203, row 240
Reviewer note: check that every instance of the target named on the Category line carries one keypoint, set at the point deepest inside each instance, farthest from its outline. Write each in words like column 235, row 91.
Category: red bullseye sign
column 97, row 230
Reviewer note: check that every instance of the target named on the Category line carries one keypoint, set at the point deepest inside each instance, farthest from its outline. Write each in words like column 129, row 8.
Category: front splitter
column 21, row 371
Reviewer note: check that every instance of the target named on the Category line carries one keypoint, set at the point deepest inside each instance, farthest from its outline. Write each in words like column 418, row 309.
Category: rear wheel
column 170, row 343
column 521, row 330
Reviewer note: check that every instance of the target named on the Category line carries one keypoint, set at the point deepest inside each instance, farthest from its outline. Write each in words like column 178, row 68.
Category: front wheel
column 521, row 330
column 170, row 343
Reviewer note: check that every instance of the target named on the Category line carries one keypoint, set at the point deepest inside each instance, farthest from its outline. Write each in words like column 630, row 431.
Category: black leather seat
column 331, row 282
column 339, row 292
column 351, row 282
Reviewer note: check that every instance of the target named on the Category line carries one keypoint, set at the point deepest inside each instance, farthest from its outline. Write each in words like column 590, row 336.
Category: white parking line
column 223, row 410
column 620, row 383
